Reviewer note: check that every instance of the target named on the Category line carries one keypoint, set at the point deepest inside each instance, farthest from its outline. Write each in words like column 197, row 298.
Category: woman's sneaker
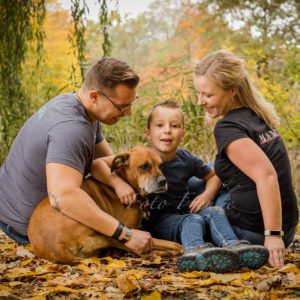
column 251, row 256
column 208, row 258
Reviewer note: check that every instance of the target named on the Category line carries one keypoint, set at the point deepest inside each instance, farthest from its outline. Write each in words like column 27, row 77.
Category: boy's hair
column 171, row 103
column 108, row 73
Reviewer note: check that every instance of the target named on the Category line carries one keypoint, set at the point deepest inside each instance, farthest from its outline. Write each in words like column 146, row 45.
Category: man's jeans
column 190, row 229
column 17, row 237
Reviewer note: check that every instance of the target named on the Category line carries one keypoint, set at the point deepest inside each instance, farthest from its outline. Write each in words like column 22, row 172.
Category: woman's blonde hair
column 229, row 73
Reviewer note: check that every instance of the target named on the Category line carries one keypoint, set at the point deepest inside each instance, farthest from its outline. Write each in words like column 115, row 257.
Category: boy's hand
column 199, row 202
column 125, row 192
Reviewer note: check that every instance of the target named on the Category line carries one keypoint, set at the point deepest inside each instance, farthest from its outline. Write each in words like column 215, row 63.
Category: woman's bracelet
column 274, row 233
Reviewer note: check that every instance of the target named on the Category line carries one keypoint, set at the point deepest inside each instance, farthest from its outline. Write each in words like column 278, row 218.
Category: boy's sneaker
column 208, row 258
column 251, row 256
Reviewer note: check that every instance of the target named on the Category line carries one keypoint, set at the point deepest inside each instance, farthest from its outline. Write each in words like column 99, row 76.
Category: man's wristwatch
column 274, row 233
column 127, row 235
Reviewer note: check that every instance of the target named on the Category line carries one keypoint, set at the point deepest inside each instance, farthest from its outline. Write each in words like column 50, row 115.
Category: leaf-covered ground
column 24, row 276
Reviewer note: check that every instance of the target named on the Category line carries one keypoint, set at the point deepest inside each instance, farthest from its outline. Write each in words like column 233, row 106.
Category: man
column 55, row 149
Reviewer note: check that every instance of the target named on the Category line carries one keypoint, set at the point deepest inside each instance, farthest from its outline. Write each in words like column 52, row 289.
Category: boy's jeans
column 18, row 237
column 196, row 187
column 190, row 229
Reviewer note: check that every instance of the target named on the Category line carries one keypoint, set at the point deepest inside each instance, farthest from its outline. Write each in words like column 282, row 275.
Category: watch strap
column 127, row 235
column 274, row 233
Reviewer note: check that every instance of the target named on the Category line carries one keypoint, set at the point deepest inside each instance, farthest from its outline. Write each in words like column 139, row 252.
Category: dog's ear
column 120, row 161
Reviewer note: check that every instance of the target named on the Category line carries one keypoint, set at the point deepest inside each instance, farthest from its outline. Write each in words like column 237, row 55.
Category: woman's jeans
column 197, row 186
column 190, row 229
column 17, row 237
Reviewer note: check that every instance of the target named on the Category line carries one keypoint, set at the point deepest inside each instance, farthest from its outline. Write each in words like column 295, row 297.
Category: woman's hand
column 200, row 202
column 276, row 248
column 125, row 192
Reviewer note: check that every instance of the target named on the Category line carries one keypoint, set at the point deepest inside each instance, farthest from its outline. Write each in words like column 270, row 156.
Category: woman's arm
column 252, row 161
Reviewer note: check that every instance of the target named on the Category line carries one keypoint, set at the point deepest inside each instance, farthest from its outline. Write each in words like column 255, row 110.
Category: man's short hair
column 107, row 73
column 171, row 103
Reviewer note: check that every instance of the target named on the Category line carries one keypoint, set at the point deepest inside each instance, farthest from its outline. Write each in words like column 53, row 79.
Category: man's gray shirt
column 60, row 132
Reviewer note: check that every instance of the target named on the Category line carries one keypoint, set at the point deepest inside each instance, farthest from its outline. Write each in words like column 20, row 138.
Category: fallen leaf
column 21, row 251
column 225, row 278
column 155, row 295
column 127, row 284
column 266, row 284
column 289, row 268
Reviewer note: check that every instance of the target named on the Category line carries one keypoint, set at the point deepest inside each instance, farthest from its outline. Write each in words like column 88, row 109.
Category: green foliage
column 20, row 22
column 77, row 40
column 105, row 23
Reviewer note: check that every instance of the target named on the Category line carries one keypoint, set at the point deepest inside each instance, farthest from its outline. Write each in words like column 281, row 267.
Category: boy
column 173, row 216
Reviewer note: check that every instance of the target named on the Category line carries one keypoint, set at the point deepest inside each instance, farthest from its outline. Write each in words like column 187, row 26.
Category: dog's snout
column 162, row 181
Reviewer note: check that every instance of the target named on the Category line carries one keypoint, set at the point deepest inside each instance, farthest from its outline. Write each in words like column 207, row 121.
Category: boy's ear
column 183, row 134
column 147, row 134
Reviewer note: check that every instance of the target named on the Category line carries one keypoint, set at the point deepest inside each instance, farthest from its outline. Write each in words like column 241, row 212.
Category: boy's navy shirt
column 177, row 172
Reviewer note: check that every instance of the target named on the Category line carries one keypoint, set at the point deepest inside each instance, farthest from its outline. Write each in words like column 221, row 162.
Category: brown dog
column 58, row 238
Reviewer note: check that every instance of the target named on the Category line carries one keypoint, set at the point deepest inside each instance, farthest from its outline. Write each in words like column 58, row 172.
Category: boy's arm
column 101, row 171
column 212, row 187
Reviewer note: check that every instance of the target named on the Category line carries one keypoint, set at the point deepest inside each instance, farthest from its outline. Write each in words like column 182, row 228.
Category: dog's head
column 140, row 167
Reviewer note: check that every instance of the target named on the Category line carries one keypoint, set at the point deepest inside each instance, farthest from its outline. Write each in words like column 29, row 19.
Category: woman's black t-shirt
column 244, row 209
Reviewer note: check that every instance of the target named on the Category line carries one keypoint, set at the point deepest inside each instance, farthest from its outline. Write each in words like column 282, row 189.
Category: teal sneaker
column 251, row 256
column 208, row 258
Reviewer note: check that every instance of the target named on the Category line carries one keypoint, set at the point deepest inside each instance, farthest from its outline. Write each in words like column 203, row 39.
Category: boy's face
column 166, row 130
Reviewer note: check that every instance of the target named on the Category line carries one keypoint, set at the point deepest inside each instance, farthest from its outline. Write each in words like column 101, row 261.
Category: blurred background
column 46, row 47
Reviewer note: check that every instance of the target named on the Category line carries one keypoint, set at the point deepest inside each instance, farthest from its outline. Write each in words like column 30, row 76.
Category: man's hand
column 141, row 242
column 125, row 192
column 276, row 249
column 199, row 202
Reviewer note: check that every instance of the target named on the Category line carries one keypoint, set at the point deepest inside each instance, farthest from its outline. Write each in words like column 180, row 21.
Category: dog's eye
column 161, row 166
column 146, row 166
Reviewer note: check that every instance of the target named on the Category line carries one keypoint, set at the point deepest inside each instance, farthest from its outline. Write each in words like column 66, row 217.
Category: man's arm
column 65, row 194
column 102, row 149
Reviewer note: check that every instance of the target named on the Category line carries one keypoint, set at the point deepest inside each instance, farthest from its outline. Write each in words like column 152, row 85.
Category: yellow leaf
column 92, row 260
column 61, row 288
column 289, row 268
column 237, row 282
column 195, row 274
column 246, row 275
column 5, row 288
column 138, row 274
column 155, row 295
column 6, row 295
column 26, row 262
column 116, row 263
column 127, row 284
column 298, row 278
column 15, row 283
column 38, row 298
column 225, row 278
column 205, row 282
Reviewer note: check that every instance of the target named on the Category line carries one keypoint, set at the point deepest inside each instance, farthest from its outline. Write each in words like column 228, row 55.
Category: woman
column 252, row 161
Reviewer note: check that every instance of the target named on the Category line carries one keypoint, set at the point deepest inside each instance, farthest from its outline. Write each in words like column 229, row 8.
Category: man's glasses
column 119, row 107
